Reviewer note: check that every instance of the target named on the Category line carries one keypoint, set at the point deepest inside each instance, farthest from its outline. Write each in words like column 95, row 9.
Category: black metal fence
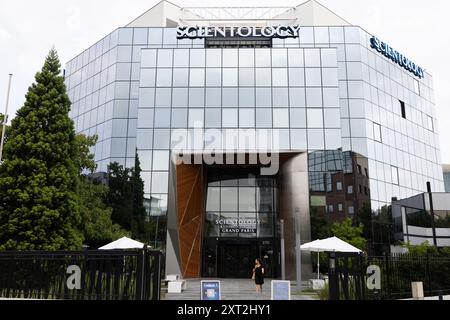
column 84, row 275
column 400, row 270
column 348, row 276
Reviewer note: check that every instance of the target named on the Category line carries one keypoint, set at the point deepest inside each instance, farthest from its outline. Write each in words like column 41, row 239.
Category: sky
column 28, row 30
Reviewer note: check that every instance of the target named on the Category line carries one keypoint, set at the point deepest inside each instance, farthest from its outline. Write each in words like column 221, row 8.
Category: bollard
column 417, row 290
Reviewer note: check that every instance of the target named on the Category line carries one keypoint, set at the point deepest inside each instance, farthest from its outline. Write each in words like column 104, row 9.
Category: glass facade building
column 367, row 125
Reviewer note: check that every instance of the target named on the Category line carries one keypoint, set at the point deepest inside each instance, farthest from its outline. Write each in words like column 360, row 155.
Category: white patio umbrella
column 123, row 244
column 333, row 244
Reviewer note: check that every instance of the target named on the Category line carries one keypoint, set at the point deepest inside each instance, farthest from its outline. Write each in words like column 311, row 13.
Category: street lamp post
column 5, row 119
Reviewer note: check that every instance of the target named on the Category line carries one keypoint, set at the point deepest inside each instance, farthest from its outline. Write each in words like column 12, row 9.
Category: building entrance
column 236, row 260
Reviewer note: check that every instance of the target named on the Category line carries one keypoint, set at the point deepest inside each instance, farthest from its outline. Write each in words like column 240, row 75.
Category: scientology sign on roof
column 197, row 32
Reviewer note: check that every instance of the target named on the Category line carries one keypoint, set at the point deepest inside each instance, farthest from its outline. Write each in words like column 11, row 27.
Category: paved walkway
column 233, row 289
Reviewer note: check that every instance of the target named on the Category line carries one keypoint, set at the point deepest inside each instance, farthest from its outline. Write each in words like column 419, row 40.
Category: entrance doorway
column 236, row 260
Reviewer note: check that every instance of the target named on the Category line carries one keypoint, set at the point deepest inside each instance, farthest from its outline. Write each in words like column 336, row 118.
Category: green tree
column 38, row 206
column 96, row 223
column 320, row 228
column 348, row 232
column 139, row 212
column 120, row 195
column 84, row 159
column 97, row 226
column 126, row 197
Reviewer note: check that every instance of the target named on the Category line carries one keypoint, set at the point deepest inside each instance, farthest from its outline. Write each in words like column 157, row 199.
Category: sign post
column 210, row 290
column 281, row 290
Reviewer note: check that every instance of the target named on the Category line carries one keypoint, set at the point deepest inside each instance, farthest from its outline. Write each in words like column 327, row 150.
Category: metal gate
column 84, row 275
column 350, row 276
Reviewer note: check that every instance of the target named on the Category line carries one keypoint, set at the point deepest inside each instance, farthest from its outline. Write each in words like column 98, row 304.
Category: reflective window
column 120, row 128
column 145, row 117
column 298, row 139
column 125, row 36
column 196, row 118
column 315, row 118
column 246, row 118
column 313, row 77
column 247, row 198
column 213, row 77
column 312, row 58
column 197, row 97
column 263, row 77
column 120, row 110
column 298, row 118
column 230, row 77
column 124, row 53
column 263, row 97
column 329, row 58
column 332, row 118
column 280, row 98
column 181, row 58
column 279, row 58
column 213, row 97
column 297, row 97
column 316, row 139
column 165, row 58
column 230, row 58
column 170, row 36
column 296, row 58
column 179, row 97
column 213, row 118
column 330, row 97
column 263, row 118
column 230, row 118
column 162, row 118
column 197, row 58
column 296, row 77
column 145, row 157
column 336, row 35
column 155, row 36
column 161, row 160
column 197, row 77
column 280, row 77
column 281, row 118
column 118, row 147
column 179, row 118
column 377, row 132
column 145, row 139
column 395, row 176
column 163, row 97
column 213, row 199
column 321, row 35
column 229, row 199
column 161, row 138
column 230, row 97
column 314, row 97
column 180, row 77
column 148, row 77
column 246, row 77
column 246, row 58
column 160, row 182
column 122, row 90
column 246, row 97
column 164, row 78
column 214, row 58
column 263, row 58
column 123, row 71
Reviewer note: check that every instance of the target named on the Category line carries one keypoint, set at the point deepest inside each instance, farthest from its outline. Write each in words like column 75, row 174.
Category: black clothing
column 259, row 276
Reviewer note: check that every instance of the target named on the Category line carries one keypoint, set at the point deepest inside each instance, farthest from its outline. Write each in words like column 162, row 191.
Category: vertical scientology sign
column 396, row 57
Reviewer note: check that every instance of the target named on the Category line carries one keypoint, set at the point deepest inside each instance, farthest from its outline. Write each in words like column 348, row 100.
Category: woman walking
column 258, row 275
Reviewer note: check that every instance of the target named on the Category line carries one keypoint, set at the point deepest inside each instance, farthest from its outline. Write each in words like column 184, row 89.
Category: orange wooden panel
column 190, row 216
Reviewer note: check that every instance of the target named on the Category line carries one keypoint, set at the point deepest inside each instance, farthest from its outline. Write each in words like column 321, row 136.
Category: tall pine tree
column 38, row 207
